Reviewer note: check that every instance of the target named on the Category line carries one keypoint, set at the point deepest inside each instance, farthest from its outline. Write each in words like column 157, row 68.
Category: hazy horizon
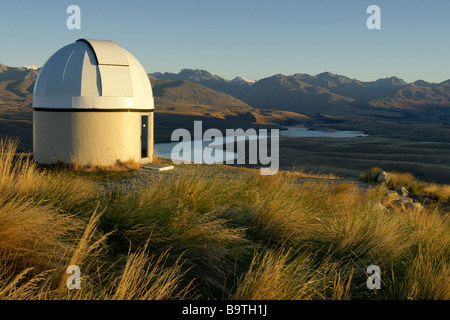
column 293, row 73
column 290, row 74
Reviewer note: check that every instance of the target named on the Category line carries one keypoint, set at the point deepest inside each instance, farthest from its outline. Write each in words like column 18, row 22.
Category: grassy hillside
column 187, row 98
column 15, row 111
column 185, row 94
column 211, row 232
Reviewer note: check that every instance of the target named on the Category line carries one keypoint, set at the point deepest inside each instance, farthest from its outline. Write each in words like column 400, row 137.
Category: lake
column 297, row 132
column 164, row 150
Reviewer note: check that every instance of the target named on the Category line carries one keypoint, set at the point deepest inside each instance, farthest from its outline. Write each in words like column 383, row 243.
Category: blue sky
column 249, row 38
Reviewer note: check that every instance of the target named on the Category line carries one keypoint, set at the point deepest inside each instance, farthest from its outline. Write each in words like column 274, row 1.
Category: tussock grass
column 437, row 192
column 302, row 173
column 212, row 234
column 279, row 275
column 272, row 276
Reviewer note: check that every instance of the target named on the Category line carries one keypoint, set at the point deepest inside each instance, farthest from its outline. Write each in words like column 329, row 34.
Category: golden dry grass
column 212, row 234
column 438, row 192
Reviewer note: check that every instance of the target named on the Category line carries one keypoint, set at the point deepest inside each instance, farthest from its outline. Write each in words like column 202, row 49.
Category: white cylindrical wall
column 87, row 138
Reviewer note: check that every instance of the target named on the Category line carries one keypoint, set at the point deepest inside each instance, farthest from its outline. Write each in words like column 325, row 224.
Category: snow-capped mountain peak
column 241, row 79
column 33, row 67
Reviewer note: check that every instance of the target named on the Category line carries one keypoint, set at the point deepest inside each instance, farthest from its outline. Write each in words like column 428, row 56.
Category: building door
column 144, row 137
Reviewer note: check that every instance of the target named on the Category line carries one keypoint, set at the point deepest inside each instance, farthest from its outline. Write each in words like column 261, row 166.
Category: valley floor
column 428, row 161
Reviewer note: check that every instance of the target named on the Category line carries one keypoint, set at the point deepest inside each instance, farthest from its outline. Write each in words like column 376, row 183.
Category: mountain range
column 324, row 92
column 235, row 87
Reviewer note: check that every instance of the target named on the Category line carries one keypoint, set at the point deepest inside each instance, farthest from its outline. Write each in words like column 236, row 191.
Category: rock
column 379, row 176
column 391, row 196
column 383, row 176
column 408, row 203
column 414, row 206
column 401, row 191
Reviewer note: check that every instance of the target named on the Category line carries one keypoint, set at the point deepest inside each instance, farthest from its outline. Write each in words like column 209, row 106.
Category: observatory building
column 92, row 105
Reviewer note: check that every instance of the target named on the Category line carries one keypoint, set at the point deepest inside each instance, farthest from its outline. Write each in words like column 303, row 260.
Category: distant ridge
column 306, row 93
column 13, row 73
column 212, row 81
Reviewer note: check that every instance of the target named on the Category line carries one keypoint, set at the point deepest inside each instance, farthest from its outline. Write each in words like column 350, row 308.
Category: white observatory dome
column 93, row 105
column 92, row 74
